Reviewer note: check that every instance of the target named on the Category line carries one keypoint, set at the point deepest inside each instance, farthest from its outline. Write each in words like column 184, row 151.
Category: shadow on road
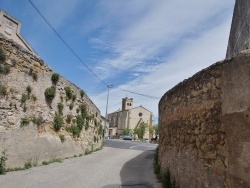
column 138, row 173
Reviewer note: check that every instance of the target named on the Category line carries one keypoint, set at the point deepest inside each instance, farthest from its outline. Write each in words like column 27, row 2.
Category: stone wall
column 240, row 31
column 37, row 142
column 204, row 127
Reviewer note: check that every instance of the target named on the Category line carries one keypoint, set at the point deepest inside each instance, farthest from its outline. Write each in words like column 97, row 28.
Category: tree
column 126, row 131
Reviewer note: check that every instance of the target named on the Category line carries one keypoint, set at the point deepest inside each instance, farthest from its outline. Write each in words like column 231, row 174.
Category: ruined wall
column 240, row 29
column 204, row 127
column 37, row 140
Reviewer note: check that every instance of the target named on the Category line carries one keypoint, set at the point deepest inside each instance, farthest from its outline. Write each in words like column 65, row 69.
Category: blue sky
column 144, row 46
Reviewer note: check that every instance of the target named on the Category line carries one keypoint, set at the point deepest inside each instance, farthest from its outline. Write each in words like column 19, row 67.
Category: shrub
column 55, row 78
column 73, row 98
column 58, row 121
column 31, row 71
column 27, row 165
column 50, row 93
column 34, row 76
column 3, row 90
column 75, row 130
column 33, row 97
column 100, row 130
column 71, row 106
column 157, row 167
column 68, row 92
column 69, row 118
column 83, row 110
column 95, row 139
column 77, row 110
column 3, row 158
column 24, row 122
column 24, row 98
column 61, row 97
column 4, row 69
column 79, row 122
column 37, row 120
column 2, row 55
column 62, row 137
column 82, row 93
column 25, row 108
column 60, row 107
column 28, row 89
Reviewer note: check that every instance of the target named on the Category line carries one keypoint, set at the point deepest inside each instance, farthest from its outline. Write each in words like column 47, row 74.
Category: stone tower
column 239, row 38
column 127, row 103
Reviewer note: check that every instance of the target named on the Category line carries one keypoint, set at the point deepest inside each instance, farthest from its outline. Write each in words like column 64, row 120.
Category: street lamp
column 109, row 86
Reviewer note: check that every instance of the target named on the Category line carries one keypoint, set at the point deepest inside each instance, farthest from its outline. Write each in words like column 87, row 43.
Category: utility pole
column 106, row 115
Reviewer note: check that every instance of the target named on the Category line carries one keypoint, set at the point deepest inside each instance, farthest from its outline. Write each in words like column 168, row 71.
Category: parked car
column 127, row 137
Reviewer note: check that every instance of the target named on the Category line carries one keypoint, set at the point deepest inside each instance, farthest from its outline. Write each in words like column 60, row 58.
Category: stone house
column 10, row 28
column 129, row 118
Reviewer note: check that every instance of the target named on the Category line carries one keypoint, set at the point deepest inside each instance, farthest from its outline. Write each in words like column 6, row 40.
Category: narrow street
column 119, row 164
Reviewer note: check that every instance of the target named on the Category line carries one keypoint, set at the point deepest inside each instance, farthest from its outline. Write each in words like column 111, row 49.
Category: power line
column 75, row 54
column 65, row 43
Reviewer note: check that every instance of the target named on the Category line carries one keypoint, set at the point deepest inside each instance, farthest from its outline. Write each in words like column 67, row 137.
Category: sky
column 140, row 47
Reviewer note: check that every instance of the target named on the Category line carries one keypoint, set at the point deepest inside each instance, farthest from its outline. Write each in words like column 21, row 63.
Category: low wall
column 32, row 142
column 203, row 127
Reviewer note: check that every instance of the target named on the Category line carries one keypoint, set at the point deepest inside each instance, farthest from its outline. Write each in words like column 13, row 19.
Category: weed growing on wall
column 68, row 92
column 58, row 121
column 50, row 93
column 71, row 106
column 28, row 89
column 3, row 90
column 4, row 69
column 69, row 118
column 2, row 55
column 24, row 122
column 62, row 138
column 82, row 93
column 164, row 177
column 60, row 107
column 55, row 78
column 3, row 158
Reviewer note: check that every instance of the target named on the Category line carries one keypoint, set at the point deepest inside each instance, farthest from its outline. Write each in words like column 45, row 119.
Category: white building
column 129, row 118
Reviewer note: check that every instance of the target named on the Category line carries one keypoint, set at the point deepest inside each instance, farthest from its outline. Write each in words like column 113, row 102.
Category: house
column 130, row 117
column 10, row 28
column 105, row 126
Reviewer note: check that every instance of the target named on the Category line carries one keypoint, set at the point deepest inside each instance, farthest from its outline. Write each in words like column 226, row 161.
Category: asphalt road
column 120, row 164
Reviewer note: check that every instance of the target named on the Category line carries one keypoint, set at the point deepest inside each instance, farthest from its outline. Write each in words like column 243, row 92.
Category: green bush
column 61, row 97
column 73, row 98
column 2, row 55
column 82, row 93
column 28, row 89
column 3, row 158
column 69, row 118
column 3, row 90
column 37, row 120
column 24, row 122
column 58, row 122
column 60, row 107
column 33, row 97
column 75, row 130
column 55, row 78
column 27, row 165
column 71, row 106
column 62, row 137
column 4, row 69
column 50, row 93
column 83, row 110
column 34, row 76
column 24, row 98
column 79, row 122
column 68, row 92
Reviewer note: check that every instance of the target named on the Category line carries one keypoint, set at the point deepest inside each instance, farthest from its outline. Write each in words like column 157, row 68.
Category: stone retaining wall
column 33, row 142
column 204, row 126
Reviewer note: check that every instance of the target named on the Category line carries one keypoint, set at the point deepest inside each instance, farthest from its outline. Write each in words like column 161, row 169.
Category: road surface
column 120, row 164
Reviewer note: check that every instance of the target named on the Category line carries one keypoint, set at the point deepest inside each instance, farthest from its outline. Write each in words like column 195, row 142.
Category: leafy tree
column 126, row 131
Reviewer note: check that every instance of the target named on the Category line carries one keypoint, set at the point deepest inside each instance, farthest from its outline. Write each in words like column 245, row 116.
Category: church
column 129, row 118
